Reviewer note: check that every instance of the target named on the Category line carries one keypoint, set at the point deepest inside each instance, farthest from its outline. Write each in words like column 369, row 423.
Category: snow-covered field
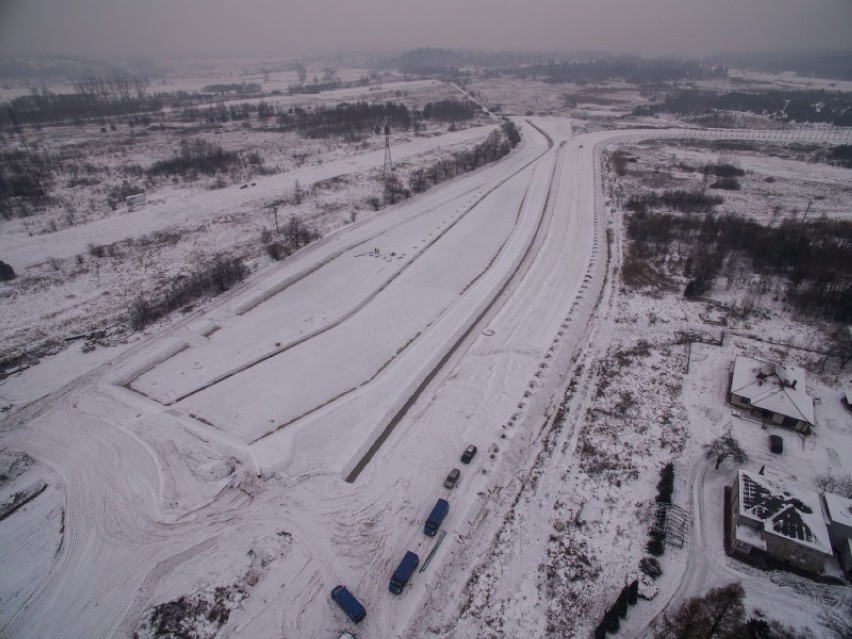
column 294, row 433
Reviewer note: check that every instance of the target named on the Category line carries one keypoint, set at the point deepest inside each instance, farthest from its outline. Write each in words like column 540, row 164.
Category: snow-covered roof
column 773, row 387
column 849, row 396
column 839, row 509
column 785, row 510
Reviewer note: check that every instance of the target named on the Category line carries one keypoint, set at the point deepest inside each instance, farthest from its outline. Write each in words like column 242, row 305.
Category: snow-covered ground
column 294, row 433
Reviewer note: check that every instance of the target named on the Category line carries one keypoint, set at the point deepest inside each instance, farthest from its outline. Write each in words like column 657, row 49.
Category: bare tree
column 718, row 614
column 298, row 193
column 394, row 190
column 837, row 484
column 302, row 72
column 724, row 447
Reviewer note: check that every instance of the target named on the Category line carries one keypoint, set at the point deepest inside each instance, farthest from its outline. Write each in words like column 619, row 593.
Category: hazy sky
column 199, row 27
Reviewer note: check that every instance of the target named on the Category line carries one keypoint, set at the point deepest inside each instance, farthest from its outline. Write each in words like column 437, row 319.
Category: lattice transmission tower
column 387, row 170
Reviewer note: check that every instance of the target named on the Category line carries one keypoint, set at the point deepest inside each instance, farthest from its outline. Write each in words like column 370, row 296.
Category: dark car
column 452, row 478
column 468, row 454
column 776, row 444
column 403, row 572
column 348, row 603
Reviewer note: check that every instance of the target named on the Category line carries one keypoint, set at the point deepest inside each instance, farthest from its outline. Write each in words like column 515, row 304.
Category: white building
column 782, row 521
column 838, row 517
column 774, row 392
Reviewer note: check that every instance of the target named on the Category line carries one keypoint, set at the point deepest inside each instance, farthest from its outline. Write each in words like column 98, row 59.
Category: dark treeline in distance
column 581, row 69
column 629, row 69
column 822, row 64
column 833, row 107
column 346, row 119
column 450, row 110
column 241, row 88
column 92, row 98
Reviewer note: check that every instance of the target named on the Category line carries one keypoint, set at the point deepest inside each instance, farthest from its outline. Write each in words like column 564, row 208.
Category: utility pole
column 387, row 170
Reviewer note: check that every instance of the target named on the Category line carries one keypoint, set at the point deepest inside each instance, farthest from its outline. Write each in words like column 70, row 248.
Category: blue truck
column 436, row 517
column 348, row 603
column 403, row 572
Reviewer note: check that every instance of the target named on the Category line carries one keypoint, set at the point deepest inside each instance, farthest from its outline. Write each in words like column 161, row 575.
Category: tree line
column 196, row 155
column 94, row 97
column 345, row 119
column 810, row 257
column 497, row 145
column 241, row 88
column 448, row 63
column 817, row 106
column 631, row 69
column 450, row 110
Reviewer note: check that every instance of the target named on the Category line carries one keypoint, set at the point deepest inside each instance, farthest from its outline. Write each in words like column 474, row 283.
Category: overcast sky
column 159, row 28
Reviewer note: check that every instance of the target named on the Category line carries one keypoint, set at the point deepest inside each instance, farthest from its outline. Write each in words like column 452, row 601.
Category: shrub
column 841, row 155
column 117, row 194
column 6, row 272
column 633, row 592
column 655, row 546
column 665, row 486
column 611, row 621
column 217, row 276
column 724, row 170
column 726, row 183
column 651, row 567
column 277, row 251
column 195, row 156
column 621, row 603
column 511, row 132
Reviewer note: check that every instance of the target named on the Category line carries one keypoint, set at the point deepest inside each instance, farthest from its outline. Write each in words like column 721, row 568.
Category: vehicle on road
column 453, row 478
column 468, row 454
column 348, row 603
column 436, row 517
column 776, row 444
column 403, row 572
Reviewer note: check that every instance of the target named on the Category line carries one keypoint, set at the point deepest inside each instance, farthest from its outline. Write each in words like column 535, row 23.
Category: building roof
column 838, row 509
column 787, row 510
column 773, row 387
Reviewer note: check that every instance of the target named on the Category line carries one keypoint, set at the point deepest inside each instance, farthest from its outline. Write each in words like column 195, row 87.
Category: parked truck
column 436, row 517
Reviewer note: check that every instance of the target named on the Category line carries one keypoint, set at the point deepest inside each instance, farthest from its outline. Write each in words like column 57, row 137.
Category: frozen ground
column 65, row 288
column 294, row 433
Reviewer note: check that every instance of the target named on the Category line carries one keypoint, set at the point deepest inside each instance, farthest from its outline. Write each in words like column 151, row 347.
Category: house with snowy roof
column 838, row 518
column 784, row 521
column 772, row 391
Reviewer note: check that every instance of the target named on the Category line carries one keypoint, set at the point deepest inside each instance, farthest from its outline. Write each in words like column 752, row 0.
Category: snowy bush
column 651, row 567
column 198, row 616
